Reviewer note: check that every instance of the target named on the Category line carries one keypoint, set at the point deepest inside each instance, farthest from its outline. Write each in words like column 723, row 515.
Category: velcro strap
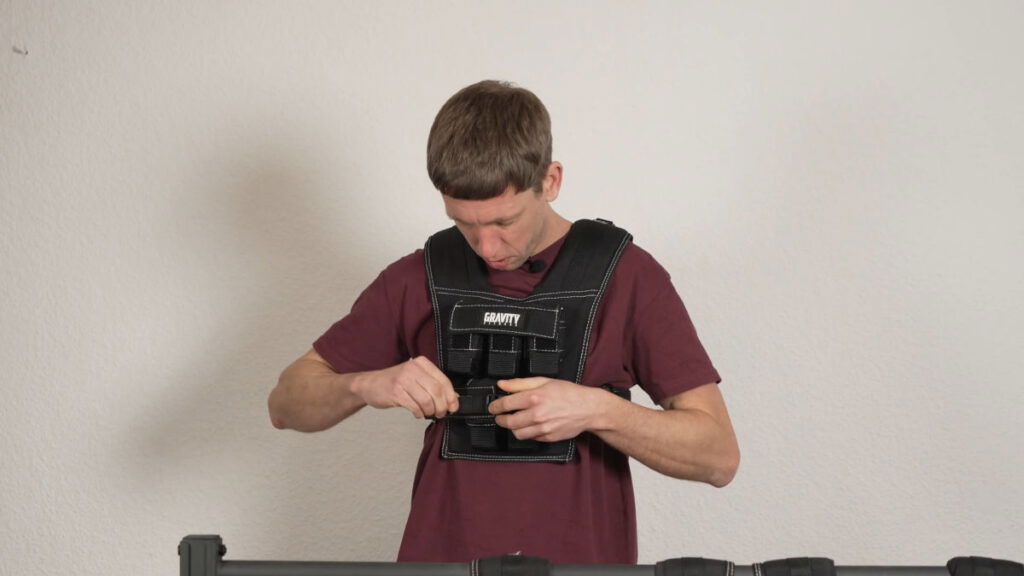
column 465, row 354
column 510, row 565
column 474, row 405
column 474, row 397
column 796, row 567
column 503, row 354
column 694, row 567
column 484, row 436
column 544, row 357
column 981, row 566
column 504, row 319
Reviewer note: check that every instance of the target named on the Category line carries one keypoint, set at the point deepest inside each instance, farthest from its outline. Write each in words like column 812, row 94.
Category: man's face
column 505, row 230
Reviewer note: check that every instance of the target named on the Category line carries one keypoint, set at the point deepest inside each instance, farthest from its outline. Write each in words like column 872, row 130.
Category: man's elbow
column 274, row 410
column 725, row 470
column 278, row 422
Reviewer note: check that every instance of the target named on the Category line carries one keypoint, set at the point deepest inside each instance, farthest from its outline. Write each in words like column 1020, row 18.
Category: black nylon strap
column 454, row 263
column 484, row 436
column 474, row 405
column 588, row 250
column 982, row 566
column 693, row 567
column 796, row 567
column 510, row 565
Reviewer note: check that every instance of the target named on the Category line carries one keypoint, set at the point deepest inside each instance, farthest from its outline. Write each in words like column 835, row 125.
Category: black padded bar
column 277, row 568
column 202, row 556
column 871, row 571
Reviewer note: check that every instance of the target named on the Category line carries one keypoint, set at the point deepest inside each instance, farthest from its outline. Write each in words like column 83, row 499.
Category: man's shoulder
column 407, row 269
column 637, row 261
column 408, row 263
column 638, row 277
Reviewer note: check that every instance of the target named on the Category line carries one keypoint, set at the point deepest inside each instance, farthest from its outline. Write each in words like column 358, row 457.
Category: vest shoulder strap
column 587, row 258
column 451, row 262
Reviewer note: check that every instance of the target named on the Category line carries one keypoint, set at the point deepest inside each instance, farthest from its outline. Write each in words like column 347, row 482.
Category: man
column 542, row 467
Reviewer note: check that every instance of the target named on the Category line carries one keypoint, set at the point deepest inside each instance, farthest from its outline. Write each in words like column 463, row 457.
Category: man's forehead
column 489, row 211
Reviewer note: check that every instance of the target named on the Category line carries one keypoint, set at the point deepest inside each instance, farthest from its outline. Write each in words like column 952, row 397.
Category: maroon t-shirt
column 581, row 512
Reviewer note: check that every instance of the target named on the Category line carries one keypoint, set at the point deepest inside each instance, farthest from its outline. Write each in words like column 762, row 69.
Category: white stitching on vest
column 593, row 307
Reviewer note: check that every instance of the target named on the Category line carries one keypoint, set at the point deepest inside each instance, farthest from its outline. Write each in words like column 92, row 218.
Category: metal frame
column 201, row 556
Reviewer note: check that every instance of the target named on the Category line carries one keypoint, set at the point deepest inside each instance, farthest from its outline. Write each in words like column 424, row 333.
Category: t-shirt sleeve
column 667, row 356
column 369, row 336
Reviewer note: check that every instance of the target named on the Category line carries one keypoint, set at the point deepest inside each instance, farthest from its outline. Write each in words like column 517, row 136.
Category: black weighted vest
column 483, row 336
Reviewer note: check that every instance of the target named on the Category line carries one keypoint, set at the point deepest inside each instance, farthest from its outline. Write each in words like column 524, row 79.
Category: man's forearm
column 683, row 443
column 310, row 397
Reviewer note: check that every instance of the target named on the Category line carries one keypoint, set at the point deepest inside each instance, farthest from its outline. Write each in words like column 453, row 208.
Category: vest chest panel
column 483, row 337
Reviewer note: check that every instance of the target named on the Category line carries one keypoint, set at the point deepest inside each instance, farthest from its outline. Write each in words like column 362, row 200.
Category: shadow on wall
column 275, row 258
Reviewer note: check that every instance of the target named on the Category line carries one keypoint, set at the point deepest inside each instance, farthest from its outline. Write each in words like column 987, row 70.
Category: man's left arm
column 692, row 438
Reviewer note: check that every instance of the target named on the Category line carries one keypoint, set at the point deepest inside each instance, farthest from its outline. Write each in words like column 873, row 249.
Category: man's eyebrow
column 495, row 221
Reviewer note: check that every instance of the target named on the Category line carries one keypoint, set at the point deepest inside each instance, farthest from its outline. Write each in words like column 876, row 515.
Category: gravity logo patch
column 501, row 319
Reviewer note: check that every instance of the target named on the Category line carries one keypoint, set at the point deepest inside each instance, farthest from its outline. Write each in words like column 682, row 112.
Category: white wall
column 191, row 192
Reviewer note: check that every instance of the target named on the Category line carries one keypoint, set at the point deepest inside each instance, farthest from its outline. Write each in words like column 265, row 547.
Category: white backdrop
column 191, row 192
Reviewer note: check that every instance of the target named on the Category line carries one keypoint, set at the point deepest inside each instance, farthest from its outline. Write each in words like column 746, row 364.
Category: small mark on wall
column 20, row 50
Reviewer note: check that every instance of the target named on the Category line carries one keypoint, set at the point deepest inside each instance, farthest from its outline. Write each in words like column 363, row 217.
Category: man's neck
column 556, row 228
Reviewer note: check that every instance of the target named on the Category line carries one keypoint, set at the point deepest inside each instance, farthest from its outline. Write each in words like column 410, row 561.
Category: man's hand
column 546, row 409
column 416, row 385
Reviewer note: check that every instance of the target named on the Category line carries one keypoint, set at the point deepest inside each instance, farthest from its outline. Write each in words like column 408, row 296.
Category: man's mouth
column 499, row 264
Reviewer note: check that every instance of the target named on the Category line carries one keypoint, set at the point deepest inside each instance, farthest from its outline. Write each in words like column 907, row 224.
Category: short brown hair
column 486, row 137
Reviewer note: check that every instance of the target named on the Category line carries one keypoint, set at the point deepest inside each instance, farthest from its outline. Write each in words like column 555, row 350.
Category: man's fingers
column 528, row 433
column 514, row 421
column 435, row 372
column 510, row 403
column 420, row 394
column 522, row 384
column 406, row 401
column 438, row 399
column 426, row 385
column 444, row 385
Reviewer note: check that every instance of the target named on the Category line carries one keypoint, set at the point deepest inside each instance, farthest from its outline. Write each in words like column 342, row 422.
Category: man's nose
column 488, row 244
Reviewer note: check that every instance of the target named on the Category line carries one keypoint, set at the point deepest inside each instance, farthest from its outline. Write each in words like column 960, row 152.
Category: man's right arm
column 310, row 396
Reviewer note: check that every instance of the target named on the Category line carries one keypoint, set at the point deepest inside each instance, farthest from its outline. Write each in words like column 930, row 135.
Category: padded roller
column 510, row 565
column 694, row 567
column 796, row 567
column 981, row 566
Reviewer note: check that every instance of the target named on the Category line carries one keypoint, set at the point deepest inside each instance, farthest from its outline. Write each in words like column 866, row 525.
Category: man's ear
column 552, row 181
